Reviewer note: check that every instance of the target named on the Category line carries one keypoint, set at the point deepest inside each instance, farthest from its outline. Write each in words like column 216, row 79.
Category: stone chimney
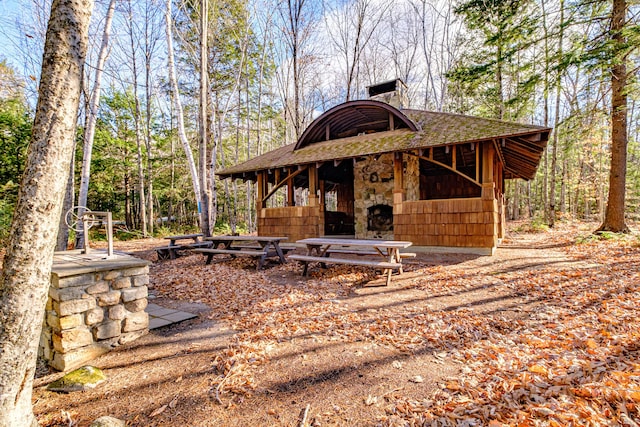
column 393, row 92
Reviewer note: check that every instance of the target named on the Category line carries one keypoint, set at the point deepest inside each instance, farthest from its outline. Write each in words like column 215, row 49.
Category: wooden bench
column 171, row 252
column 306, row 259
column 285, row 248
column 361, row 253
column 254, row 253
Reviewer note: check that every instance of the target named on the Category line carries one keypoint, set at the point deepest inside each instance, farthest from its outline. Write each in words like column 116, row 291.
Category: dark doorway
column 337, row 184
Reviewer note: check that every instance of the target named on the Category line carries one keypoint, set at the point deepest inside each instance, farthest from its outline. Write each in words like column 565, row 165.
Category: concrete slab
column 158, row 322
column 160, row 316
column 179, row 316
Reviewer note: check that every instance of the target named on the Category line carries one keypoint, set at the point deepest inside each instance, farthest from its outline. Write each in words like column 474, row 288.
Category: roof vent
column 393, row 92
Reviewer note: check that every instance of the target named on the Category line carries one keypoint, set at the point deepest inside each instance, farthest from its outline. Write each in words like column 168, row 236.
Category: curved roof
column 520, row 146
column 354, row 118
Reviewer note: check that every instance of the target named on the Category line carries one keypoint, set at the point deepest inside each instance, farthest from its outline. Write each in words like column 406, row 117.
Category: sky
column 10, row 12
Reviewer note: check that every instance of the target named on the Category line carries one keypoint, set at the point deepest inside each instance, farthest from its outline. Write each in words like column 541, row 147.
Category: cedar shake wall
column 294, row 222
column 451, row 222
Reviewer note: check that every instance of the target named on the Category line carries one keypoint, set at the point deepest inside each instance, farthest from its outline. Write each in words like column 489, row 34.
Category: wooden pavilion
column 370, row 170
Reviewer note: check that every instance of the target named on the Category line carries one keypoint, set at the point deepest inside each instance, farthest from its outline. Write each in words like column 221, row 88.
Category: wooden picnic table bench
column 266, row 247
column 171, row 251
column 319, row 249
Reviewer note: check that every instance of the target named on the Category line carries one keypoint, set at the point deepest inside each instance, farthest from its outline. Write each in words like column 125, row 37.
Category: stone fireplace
column 380, row 218
column 373, row 197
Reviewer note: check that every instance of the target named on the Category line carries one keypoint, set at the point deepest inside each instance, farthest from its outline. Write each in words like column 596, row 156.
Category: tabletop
column 321, row 241
column 183, row 236
column 246, row 238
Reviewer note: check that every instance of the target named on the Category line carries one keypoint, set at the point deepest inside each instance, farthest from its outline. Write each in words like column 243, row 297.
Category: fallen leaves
column 553, row 343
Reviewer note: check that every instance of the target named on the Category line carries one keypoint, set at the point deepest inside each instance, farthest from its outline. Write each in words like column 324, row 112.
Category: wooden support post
column 478, row 163
column 454, row 152
column 488, row 175
column 259, row 199
column 488, row 153
column 313, row 186
column 398, row 179
column 291, row 197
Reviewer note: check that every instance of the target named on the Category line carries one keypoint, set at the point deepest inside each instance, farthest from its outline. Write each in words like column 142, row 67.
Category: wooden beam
column 313, row 186
column 478, row 164
column 260, row 198
column 488, row 153
column 279, row 184
column 291, row 197
column 454, row 160
column 435, row 162
column 398, row 173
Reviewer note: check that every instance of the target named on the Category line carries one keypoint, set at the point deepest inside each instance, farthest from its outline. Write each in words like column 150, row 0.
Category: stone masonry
column 95, row 304
column 373, row 185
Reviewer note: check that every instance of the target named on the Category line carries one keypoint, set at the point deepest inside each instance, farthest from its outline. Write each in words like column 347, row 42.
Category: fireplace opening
column 380, row 218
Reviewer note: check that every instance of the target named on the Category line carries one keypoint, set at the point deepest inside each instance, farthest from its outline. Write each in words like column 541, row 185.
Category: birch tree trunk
column 205, row 206
column 178, row 107
column 92, row 117
column 24, row 283
column 137, row 117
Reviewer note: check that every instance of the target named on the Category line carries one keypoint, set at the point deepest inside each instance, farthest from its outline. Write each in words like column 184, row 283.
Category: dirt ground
column 272, row 348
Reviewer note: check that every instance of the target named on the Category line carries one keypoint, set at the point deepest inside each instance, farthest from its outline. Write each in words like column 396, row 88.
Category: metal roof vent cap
column 393, row 92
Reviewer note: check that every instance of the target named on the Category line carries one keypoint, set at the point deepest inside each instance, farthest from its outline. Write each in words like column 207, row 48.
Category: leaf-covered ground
column 544, row 333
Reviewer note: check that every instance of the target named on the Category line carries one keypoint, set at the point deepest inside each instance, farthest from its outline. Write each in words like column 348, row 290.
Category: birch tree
column 91, row 117
column 175, row 92
column 205, row 188
column 24, row 283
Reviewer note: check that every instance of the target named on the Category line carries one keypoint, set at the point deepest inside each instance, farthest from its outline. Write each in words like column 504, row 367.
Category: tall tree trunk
column 175, row 92
column 137, row 118
column 614, row 213
column 91, row 118
column 556, row 120
column 206, row 225
column 24, row 283
column 147, row 131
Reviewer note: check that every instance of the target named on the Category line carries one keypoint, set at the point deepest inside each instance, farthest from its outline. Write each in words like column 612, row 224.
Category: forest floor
column 545, row 332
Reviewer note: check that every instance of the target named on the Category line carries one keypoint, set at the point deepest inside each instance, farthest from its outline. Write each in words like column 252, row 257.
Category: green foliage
column 605, row 236
column 223, row 227
column 8, row 198
column 498, row 73
column 15, row 132
column 534, row 225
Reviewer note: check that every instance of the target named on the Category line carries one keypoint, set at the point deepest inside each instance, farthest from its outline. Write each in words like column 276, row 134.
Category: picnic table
column 319, row 250
column 260, row 247
column 176, row 243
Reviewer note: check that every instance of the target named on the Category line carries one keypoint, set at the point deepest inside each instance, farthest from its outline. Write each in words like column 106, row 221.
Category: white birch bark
column 24, row 283
column 206, row 219
column 178, row 107
column 92, row 117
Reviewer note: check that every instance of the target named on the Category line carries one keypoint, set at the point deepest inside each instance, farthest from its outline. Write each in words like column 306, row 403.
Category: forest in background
column 164, row 108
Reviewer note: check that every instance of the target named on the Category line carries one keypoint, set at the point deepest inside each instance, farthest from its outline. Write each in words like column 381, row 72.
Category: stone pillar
column 94, row 304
